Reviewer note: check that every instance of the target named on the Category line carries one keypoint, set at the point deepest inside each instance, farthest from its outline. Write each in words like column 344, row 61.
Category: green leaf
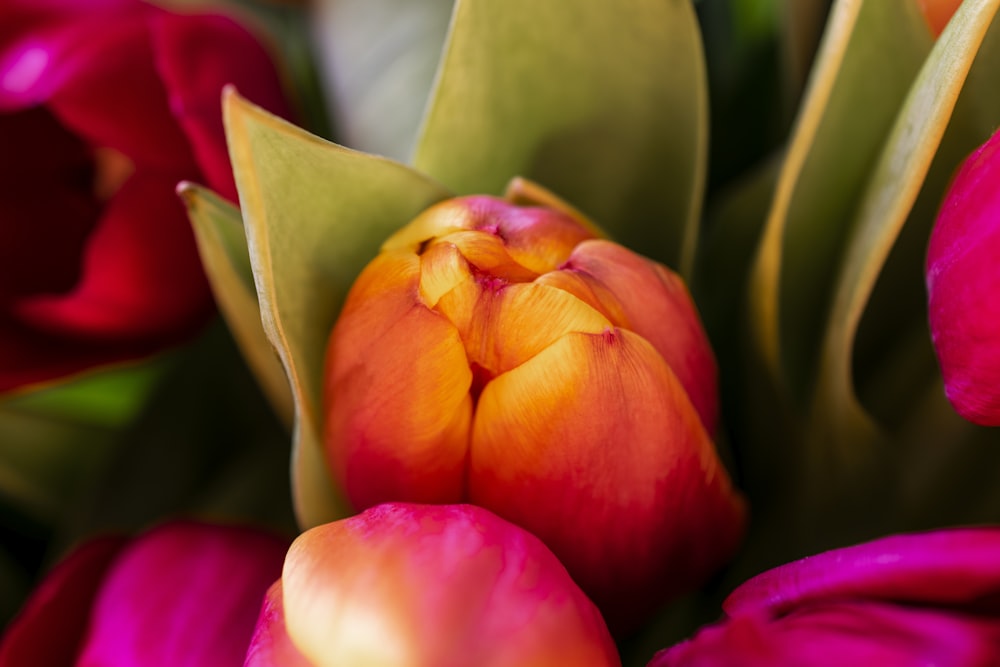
column 222, row 245
column 603, row 103
column 315, row 214
column 869, row 56
column 886, row 205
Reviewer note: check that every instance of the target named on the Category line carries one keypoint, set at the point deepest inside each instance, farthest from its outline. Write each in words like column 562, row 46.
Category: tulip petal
column 397, row 392
column 271, row 646
column 652, row 301
column 842, row 633
column 946, row 567
column 426, row 586
column 196, row 57
column 598, row 430
column 77, row 67
column 141, row 278
column 183, row 594
column 504, row 325
column 47, row 191
column 538, row 239
column 962, row 282
column 59, row 607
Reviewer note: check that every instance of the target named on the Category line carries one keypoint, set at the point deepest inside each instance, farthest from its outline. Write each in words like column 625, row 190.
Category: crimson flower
column 104, row 106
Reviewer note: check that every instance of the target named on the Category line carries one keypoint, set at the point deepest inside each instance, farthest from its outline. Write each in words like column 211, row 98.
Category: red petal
column 46, row 190
column 963, row 279
column 197, row 56
column 142, row 277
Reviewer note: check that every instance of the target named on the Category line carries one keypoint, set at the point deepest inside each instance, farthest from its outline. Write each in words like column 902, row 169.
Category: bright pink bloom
column 182, row 595
column 104, row 106
column 902, row 601
column 427, row 586
column 963, row 281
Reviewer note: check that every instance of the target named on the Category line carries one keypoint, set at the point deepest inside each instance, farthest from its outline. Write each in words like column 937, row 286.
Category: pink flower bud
column 427, row 586
column 183, row 594
column 963, row 280
column 501, row 355
column 905, row 601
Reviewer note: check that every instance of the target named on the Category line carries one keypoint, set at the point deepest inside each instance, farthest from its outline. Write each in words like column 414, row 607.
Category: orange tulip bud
column 501, row 355
column 937, row 13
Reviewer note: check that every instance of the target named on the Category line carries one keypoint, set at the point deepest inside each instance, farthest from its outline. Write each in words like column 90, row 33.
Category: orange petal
column 451, row 215
column 397, row 402
column 645, row 297
column 504, row 325
column 594, row 446
column 271, row 646
column 538, row 239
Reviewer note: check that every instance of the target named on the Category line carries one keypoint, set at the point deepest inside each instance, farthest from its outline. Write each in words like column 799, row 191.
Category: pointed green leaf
column 870, row 53
column 315, row 214
column 603, row 103
column 222, row 244
column 887, row 202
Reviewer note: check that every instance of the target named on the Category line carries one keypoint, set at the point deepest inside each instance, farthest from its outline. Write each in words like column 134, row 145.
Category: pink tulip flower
column 427, row 586
column 904, row 601
column 963, row 281
column 105, row 105
column 182, row 595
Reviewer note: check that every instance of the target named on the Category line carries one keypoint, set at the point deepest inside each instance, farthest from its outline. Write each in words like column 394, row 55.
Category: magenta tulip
column 427, row 586
column 182, row 595
column 903, row 601
column 104, row 107
column 963, row 280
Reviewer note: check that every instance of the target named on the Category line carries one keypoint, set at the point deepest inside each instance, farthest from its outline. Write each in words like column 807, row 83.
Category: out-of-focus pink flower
column 963, row 281
column 427, row 586
column 501, row 355
column 182, row 595
column 104, row 106
column 902, row 601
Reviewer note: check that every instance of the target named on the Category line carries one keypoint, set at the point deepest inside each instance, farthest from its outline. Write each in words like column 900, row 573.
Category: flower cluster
column 525, row 428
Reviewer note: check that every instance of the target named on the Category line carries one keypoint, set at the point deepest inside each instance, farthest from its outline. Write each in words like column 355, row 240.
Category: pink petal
column 963, row 279
column 183, row 595
column 197, row 56
column 946, row 567
column 430, row 586
column 271, row 646
column 51, row 626
column 843, row 633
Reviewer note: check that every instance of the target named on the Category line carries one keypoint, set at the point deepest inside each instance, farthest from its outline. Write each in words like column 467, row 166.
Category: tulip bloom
column 919, row 599
column 500, row 355
column 963, row 280
column 104, row 106
column 181, row 594
column 426, row 586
